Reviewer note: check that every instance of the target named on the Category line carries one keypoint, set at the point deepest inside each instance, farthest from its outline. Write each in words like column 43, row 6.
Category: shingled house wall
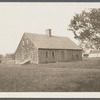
column 26, row 50
column 45, row 55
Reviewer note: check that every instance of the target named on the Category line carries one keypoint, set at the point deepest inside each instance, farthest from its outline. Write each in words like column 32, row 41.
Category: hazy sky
column 17, row 18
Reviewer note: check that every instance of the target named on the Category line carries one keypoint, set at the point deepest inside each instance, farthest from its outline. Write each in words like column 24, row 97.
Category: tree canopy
column 86, row 28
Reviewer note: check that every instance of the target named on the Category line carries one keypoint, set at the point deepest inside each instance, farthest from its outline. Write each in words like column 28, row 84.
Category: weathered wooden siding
column 59, row 55
column 26, row 50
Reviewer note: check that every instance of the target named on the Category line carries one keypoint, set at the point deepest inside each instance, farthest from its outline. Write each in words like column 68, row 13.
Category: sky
column 17, row 18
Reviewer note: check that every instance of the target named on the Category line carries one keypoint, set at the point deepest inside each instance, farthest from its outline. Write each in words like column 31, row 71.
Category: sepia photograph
column 49, row 47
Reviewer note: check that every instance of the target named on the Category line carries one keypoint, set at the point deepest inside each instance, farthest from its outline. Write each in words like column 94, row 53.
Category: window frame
column 27, row 41
column 47, row 54
column 23, row 43
column 77, row 55
column 53, row 54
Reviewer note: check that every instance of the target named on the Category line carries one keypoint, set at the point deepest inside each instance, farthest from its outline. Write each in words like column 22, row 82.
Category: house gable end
column 26, row 50
column 31, row 40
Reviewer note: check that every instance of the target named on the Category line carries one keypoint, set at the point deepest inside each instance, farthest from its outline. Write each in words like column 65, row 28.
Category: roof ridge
column 33, row 33
column 45, row 35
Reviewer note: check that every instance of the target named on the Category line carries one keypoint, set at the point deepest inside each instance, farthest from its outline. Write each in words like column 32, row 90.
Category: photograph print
column 49, row 47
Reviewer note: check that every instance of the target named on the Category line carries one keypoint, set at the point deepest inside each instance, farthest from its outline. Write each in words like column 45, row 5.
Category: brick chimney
column 48, row 32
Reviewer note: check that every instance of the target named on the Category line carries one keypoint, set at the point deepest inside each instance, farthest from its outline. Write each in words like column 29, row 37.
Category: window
column 27, row 41
column 77, row 55
column 62, row 54
column 22, row 55
column 32, row 55
column 52, row 54
column 23, row 43
column 46, row 54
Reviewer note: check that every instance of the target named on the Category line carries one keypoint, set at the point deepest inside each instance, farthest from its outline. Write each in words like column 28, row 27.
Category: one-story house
column 38, row 48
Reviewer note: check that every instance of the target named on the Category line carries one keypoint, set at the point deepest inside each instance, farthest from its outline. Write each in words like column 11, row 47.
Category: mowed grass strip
column 73, row 76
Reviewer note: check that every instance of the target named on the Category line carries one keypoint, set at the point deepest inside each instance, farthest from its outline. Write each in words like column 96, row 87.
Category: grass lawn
column 75, row 76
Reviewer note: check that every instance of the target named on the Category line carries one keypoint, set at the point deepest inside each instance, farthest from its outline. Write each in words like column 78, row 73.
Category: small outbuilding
column 38, row 48
column 94, row 53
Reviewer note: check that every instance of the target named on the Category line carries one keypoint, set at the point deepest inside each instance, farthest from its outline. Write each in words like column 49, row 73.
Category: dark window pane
column 46, row 54
column 52, row 54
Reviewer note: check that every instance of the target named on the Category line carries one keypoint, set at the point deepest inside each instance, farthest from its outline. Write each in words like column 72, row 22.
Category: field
column 74, row 76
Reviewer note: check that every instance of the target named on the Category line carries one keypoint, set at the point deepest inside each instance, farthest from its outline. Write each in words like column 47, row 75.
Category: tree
column 86, row 28
column 10, row 56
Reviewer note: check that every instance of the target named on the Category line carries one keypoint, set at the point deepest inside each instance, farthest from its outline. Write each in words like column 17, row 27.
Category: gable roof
column 53, row 42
